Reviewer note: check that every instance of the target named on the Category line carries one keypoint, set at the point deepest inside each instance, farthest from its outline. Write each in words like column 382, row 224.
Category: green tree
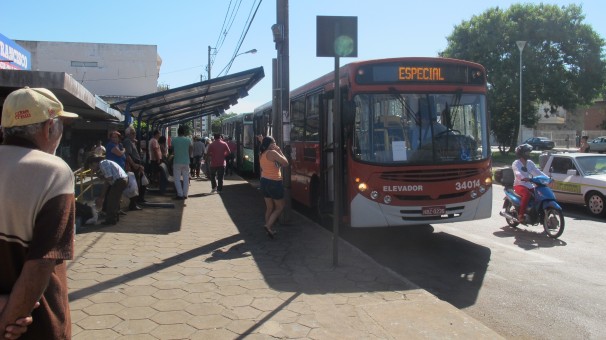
column 143, row 125
column 563, row 62
column 218, row 122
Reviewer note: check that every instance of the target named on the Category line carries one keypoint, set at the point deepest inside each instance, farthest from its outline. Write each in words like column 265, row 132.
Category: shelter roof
column 185, row 103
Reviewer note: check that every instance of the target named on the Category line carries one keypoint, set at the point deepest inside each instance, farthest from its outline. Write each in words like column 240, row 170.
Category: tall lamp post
column 228, row 66
column 253, row 51
column 521, row 44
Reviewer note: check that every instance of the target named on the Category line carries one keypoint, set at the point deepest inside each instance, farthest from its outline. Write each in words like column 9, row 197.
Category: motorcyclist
column 523, row 169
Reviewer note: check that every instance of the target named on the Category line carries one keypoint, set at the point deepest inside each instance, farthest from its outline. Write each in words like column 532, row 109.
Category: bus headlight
column 387, row 199
column 362, row 187
column 473, row 194
column 374, row 195
column 482, row 190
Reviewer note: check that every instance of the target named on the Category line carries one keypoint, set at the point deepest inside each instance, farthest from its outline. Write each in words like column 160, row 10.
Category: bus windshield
column 420, row 128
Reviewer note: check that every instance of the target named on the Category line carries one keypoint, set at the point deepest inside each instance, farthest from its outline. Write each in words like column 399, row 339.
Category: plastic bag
column 131, row 188
column 144, row 180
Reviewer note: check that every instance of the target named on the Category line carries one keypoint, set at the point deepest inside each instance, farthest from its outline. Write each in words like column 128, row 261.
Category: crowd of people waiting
column 130, row 167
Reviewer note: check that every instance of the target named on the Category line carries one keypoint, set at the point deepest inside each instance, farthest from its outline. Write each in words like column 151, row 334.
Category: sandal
column 269, row 232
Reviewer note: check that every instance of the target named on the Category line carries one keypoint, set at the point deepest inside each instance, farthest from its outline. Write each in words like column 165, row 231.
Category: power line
column 228, row 21
column 250, row 19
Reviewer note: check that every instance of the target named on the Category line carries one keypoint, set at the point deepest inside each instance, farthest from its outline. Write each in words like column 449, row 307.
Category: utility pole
column 208, row 117
column 281, row 119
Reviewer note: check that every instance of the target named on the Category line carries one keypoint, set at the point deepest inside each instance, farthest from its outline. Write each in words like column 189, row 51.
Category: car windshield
column 420, row 128
column 592, row 165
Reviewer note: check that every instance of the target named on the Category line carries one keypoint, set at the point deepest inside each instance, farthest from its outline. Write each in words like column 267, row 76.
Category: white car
column 580, row 178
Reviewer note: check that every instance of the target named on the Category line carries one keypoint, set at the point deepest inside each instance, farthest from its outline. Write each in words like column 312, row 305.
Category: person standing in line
column 143, row 148
column 135, row 164
column 229, row 168
column 271, row 162
column 198, row 154
column 155, row 157
column 217, row 151
column 182, row 149
column 37, row 223
column 163, row 148
column 206, row 158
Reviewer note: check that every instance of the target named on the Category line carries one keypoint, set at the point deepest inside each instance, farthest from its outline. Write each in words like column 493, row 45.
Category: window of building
column 84, row 63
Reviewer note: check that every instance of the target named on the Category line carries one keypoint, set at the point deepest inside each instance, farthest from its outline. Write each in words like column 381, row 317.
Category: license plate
column 433, row 211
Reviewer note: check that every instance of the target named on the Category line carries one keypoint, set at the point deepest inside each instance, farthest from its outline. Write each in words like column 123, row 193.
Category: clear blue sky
column 183, row 30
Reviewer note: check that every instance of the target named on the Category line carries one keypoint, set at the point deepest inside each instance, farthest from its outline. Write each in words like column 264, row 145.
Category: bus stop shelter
column 183, row 104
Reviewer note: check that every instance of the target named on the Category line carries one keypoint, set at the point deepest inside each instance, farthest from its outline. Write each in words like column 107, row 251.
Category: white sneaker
column 213, row 191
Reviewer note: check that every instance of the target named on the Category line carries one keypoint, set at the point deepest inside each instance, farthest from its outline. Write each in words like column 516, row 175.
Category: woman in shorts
column 271, row 161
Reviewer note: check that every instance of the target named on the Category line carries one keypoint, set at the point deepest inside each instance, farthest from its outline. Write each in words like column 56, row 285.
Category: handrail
column 80, row 176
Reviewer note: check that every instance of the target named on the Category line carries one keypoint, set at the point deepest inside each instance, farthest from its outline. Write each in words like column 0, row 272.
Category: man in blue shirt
column 116, row 181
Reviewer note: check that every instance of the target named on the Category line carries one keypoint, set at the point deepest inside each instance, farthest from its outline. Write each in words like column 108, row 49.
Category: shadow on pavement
column 449, row 267
column 299, row 259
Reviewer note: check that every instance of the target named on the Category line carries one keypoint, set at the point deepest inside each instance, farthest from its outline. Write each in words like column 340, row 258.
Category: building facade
column 107, row 70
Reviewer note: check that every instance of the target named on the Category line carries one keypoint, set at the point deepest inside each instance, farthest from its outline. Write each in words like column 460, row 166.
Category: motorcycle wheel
column 511, row 210
column 553, row 222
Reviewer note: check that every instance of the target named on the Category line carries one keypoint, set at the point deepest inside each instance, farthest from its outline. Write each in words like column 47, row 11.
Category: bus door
column 237, row 138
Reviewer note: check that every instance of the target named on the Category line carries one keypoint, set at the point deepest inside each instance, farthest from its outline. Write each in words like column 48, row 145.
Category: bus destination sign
column 419, row 73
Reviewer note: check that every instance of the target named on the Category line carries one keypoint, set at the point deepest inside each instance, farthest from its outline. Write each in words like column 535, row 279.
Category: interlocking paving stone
column 207, row 270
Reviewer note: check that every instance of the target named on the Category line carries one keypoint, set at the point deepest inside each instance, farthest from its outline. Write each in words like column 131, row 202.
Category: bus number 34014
column 466, row 185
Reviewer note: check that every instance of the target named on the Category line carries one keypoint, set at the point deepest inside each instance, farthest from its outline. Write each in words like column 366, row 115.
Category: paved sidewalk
column 207, row 270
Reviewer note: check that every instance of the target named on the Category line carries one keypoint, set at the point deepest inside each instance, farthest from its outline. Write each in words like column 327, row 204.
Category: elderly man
column 116, row 181
column 134, row 162
column 38, row 214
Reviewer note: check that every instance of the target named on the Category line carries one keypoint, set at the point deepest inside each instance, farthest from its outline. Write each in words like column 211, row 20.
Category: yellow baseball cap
column 28, row 106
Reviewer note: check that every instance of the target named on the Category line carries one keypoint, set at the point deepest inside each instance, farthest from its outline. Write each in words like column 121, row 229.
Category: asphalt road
column 520, row 283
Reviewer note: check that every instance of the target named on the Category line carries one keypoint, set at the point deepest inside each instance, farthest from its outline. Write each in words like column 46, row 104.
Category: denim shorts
column 272, row 189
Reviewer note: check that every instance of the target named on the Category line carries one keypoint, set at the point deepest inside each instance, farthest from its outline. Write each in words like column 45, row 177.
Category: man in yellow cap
column 38, row 213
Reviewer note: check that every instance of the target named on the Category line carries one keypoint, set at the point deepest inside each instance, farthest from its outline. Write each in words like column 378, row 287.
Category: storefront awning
column 192, row 101
column 74, row 96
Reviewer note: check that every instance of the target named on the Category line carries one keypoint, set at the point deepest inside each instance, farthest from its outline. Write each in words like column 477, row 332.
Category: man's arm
column 227, row 150
column 26, row 292
column 15, row 330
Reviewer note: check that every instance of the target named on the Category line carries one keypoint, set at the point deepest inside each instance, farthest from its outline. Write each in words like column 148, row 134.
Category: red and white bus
column 415, row 137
